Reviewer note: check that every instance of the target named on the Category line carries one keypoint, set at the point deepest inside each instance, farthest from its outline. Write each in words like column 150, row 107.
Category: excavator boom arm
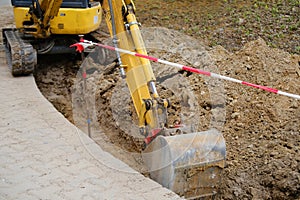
column 50, row 8
column 139, row 75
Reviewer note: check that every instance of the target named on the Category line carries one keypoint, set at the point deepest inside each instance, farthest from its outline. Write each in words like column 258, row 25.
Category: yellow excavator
column 187, row 162
column 47, row 27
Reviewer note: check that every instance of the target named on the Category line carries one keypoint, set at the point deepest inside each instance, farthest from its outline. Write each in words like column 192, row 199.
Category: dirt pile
column 261, row 129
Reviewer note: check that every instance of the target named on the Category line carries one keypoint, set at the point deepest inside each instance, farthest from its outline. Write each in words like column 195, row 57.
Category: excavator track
column 20, row 54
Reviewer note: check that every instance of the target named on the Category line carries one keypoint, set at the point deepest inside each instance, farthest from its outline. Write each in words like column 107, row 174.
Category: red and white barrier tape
column 85, row 43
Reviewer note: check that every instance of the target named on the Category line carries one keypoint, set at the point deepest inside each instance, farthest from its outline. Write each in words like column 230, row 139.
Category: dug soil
column 261, row 129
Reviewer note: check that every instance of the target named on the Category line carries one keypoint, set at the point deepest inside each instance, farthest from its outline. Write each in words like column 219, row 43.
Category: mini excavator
column 179, row 158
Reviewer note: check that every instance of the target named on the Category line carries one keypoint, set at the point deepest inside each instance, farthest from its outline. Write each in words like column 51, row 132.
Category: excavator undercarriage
column 22, row 52
column 178, row 157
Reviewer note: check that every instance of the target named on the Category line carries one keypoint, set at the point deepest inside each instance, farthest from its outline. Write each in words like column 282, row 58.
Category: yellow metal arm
column 139, row 74
column 50, row 8
column 42, row 12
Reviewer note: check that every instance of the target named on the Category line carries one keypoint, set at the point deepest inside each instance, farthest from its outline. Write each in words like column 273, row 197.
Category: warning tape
column 85, row 43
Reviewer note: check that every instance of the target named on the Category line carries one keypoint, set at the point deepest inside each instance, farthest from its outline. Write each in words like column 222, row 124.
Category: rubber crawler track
column 21, row 56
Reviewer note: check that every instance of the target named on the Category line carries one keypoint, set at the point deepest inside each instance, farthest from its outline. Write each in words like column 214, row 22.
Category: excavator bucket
column 188, row 164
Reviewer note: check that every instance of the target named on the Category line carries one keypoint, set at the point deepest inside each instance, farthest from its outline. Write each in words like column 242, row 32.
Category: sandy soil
column 261, row 129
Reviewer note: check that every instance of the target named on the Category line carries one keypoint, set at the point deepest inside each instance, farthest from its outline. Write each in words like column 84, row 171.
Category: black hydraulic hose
column 37, row 10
